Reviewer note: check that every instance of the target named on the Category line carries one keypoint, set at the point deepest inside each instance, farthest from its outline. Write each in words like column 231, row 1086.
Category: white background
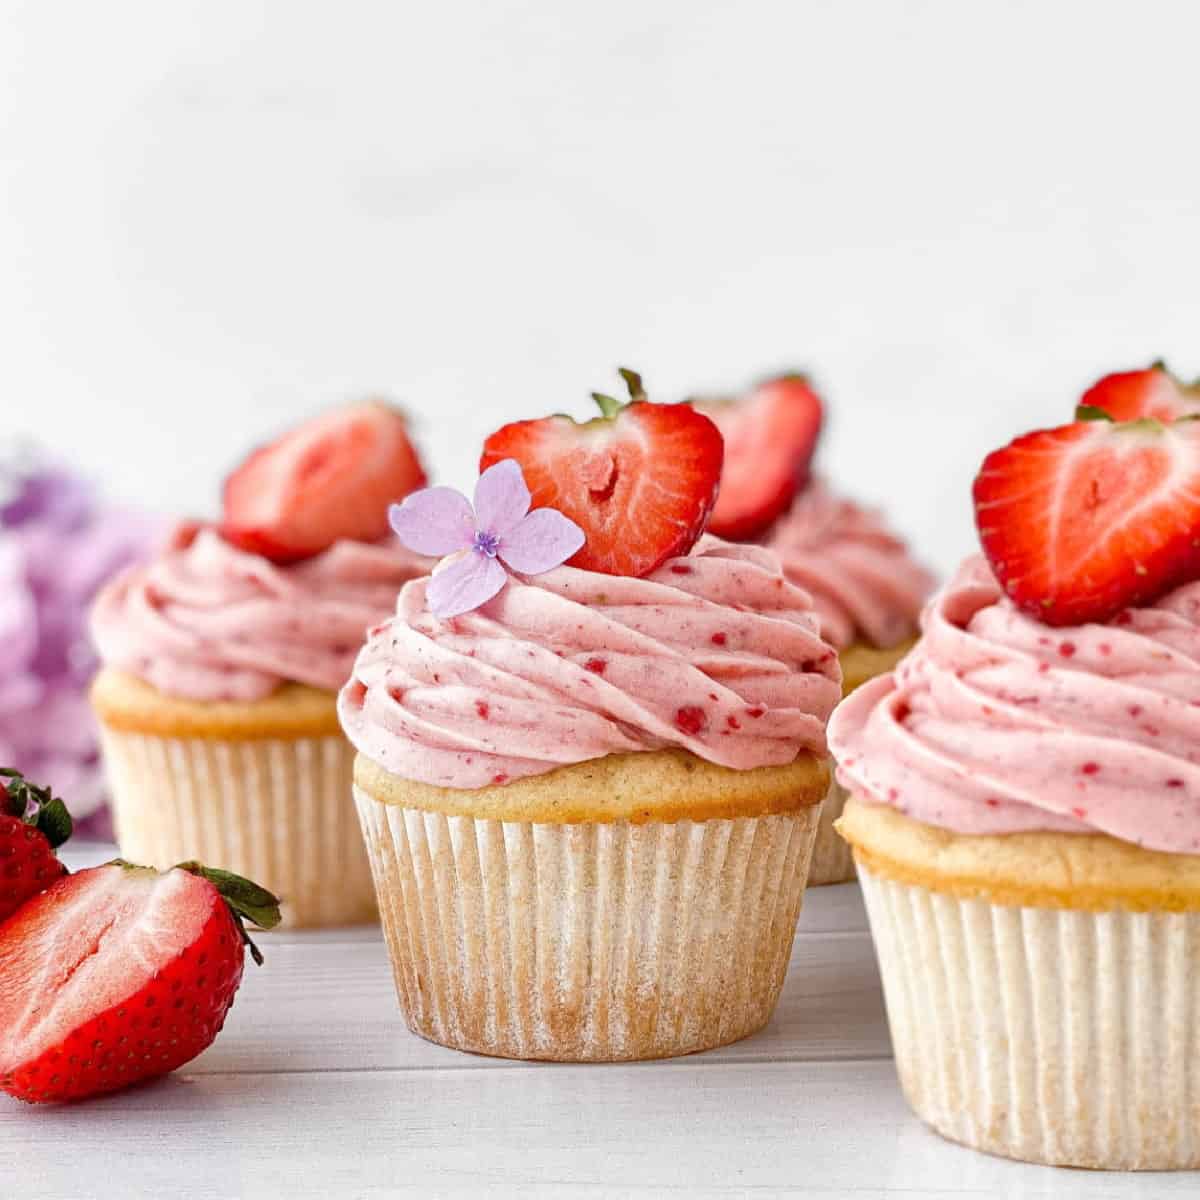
column 216, row 217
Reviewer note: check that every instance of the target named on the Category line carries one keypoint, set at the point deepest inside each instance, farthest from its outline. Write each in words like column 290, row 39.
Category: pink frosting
column 863, row 582
column 997, row 724
column 207, row 621
column 715, row 652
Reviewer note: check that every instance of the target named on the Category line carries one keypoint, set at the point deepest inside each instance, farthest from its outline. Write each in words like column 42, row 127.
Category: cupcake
column 867, row 588
column 590, row 791
column 1025, row 810
column 222, row 658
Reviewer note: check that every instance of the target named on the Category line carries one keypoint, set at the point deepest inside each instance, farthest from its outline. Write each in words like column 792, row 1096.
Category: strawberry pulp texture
column 1082, row 521
column 640, row 480
column 1153, row 392
column 770, row 438
column 113, row 976
column 331, row 479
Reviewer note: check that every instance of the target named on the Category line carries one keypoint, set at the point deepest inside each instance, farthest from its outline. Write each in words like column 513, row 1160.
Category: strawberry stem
column 247, row 901
column 1090, row 412
column 35, row 806
column 608, row 405
column 633, row 381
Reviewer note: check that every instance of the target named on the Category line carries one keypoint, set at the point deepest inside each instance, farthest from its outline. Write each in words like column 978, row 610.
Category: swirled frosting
column 863, row 581
column 715, row 653
column 995, row 723
column 207, row 621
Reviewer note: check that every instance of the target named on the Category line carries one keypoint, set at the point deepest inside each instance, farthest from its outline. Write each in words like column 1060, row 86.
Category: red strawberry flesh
column 1154, row 392
column 113, row 975
column 640, row 484
column 331, row 479
column 770, row 437
column 1082, row 521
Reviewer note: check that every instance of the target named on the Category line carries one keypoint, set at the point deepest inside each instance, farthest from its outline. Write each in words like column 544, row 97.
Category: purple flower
column 57, row 547
column 498, row 529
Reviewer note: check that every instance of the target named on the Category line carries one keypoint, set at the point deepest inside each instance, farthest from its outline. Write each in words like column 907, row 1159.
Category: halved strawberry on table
column 1152, row 392
column 1084, row 520
column 33, row 824
column 329, row 479
column 770, row 436
column 640, row 480
column 119, row 974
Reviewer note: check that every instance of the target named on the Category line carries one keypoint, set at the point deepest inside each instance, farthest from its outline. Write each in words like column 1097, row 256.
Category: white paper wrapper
column 278, row 811
column 832, row 858
column 588, row 942
column 1052, row 1036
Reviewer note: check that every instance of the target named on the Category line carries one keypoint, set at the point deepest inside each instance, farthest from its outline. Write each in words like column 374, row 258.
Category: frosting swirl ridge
column 864, row 583
column 207, row 621
column 995, row 723
column 715, row 652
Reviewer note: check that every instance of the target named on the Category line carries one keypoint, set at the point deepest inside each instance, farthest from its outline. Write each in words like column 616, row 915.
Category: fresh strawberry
column 770, row 436
column 1154, row 392
column 331, row 478
column 119, row 974
column 1082, row 521
column 33, row 824
column 640, row 479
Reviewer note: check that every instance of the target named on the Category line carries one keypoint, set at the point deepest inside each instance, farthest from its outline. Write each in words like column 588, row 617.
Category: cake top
column 865, row 583
column 1056, row 685
column 602, row 623
column 866, row 586
column 284, row 587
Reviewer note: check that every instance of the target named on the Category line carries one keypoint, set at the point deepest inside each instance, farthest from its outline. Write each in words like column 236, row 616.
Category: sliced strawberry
column 1082, row 521
column 119, row 974
column 33, row 824
column 640, row 480
column 332, row 478
column 1154, row 392
column 770, row 436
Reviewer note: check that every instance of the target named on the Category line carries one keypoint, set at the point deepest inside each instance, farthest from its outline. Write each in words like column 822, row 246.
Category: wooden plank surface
column 316, row 1089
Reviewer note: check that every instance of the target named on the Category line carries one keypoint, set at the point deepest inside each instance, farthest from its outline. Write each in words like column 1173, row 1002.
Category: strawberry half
column 120, row 974
column 1085, row 520
column 33, row 824
column 640, row 479
column 332, row 478
column 770, row 436
column 1154, row 392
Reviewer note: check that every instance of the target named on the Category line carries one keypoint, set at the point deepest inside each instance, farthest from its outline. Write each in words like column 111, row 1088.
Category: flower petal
column 501, row 498
column 464, row 583
column 544, row 539
column 435, row 521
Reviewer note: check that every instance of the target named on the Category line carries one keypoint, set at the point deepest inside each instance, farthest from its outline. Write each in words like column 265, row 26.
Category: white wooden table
column 317, row 1089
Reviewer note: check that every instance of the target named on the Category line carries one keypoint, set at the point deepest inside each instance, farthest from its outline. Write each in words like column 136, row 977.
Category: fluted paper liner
column 1048, row 1035
column 832, row 858
column 587, row 942
column 277, row 811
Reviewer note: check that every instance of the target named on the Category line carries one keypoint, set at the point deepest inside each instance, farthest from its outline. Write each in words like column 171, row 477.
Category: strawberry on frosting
column 997, row 723
column 640, row 480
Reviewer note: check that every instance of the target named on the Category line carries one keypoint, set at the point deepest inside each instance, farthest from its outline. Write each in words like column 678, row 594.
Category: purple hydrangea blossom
column 57, row 547
column 480, row 541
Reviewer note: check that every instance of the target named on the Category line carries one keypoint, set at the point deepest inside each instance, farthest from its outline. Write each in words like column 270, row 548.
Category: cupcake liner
column 275, row 810
column 1049, row 1035
column 587, row 942
column 832, row 858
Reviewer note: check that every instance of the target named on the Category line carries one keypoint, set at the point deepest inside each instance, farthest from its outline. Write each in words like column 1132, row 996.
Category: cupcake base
column 1041, row 988
column 1047, row 1035
column 832, row 858
column 275, row 810
column 587, row 942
